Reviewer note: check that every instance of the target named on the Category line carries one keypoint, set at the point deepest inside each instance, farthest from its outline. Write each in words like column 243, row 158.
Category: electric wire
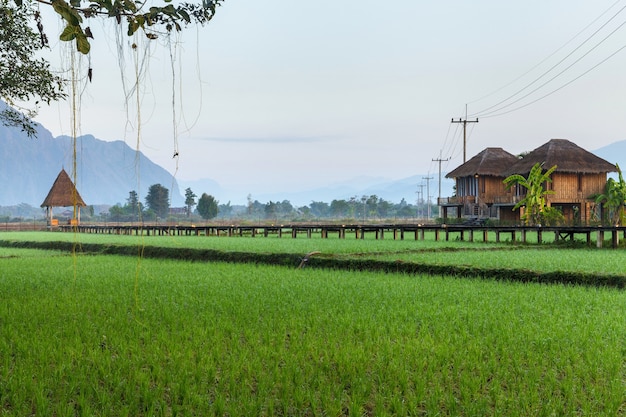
column 545, row 59
column 490, row 110
column 561, row 87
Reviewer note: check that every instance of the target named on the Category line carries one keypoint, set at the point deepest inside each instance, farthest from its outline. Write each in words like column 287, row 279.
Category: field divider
column 329, row 261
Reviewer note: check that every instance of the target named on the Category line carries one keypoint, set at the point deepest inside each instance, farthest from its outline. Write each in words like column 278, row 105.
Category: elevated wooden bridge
column 471, row 233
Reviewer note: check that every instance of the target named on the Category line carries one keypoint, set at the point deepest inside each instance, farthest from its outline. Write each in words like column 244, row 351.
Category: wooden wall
column 575, row 188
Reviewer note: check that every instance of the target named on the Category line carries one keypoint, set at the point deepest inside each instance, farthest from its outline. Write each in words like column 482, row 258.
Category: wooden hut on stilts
column 63, row 194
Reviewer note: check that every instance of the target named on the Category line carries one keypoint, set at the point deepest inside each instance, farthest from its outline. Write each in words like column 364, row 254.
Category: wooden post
column 599, row 238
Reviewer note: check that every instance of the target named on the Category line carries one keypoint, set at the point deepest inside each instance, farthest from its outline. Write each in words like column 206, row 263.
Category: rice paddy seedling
column 130, row 336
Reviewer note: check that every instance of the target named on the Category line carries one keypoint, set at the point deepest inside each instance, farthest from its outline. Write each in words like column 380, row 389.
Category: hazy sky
column 282, row 94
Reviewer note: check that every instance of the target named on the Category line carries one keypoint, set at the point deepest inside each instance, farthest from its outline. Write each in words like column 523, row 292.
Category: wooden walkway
column 380, row 231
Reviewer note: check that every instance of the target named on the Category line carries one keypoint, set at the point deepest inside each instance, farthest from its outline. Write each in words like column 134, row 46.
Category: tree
column 225, row 210
column 158, row 200
column 23, row 77
column 271, row 210
column 614, row 198
column 116, row 213
column 133, row 206
column 152, row 18
column 319, row 209
column 207, row 206
column 535, row 199
column 190, row 200
column 340, row 208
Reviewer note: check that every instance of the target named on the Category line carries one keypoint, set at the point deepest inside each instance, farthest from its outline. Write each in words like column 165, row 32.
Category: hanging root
column 306, row 258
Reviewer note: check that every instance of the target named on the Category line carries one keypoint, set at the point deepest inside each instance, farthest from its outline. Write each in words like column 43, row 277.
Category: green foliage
column 207, row 206
column 23, row 76
column 190, row 200
column 614, row 198
column 551, row 216
column 152, row 19
column 131, row 211
column 158, row 200
column 535, row 199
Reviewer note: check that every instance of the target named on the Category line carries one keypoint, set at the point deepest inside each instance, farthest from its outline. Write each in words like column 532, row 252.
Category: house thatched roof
column 567, row 156
column 491, row 161
column 63, row 193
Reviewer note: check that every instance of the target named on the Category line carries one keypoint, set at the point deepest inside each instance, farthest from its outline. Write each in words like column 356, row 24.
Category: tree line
column 157, row 206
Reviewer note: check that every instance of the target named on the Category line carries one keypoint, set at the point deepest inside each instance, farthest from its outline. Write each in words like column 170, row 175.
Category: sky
column 289, row 95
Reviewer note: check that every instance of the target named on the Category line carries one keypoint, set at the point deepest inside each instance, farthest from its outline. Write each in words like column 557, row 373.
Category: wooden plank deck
column 379, row 231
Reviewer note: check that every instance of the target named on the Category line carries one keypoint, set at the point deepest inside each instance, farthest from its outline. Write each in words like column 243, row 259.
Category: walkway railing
column 469, row 233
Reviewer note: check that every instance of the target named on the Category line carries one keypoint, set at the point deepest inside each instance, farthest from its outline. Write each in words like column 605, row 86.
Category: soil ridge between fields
column 330, row 262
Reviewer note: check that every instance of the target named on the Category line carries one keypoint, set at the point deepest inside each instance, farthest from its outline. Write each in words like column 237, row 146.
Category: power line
column 547, row 58
column 487, row 113
column 561, row 87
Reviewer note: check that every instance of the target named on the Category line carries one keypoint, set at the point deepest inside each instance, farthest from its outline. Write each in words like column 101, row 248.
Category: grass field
column 112, row 335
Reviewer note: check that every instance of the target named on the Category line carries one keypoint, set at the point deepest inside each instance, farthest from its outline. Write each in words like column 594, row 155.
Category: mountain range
column 108, row 171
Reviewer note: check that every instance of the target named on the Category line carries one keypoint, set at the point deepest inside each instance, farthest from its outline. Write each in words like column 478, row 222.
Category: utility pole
column 440, row 161
column 465, row 122
column 420, row 199
column 428, row 194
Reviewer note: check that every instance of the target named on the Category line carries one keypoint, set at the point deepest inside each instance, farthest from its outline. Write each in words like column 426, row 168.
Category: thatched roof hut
column 567, row 156
column 491, row 161
column 62, row 194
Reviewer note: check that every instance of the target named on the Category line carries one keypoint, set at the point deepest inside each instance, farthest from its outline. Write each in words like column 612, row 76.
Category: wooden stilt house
column 63, row 194
column 480, row 190
column 578, row 176
column 479, row 184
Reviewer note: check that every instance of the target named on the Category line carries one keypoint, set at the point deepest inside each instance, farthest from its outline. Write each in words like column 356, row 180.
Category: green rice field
column 96, row 334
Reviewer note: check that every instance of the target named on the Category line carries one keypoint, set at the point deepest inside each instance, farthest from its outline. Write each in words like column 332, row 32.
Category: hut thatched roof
column 63, row 193
column 491, row 161
column 566, row 155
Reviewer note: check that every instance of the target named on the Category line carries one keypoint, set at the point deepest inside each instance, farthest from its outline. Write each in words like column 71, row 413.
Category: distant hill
column 107, row 171
column 614, row 153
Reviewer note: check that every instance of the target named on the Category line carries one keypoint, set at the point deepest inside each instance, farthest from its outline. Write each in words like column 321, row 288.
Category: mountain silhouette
column 105, row 171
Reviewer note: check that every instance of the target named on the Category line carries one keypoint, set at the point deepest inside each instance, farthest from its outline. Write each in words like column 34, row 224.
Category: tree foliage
column 23, row 76
column 158, row 200
column 535, row 199
column 614, row 198
column 153, row 18
column 207, row 206
column 190, row 201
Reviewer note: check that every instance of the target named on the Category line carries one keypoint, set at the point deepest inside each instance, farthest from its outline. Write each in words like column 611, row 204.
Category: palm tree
column 535, row 199
column 614, row 197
